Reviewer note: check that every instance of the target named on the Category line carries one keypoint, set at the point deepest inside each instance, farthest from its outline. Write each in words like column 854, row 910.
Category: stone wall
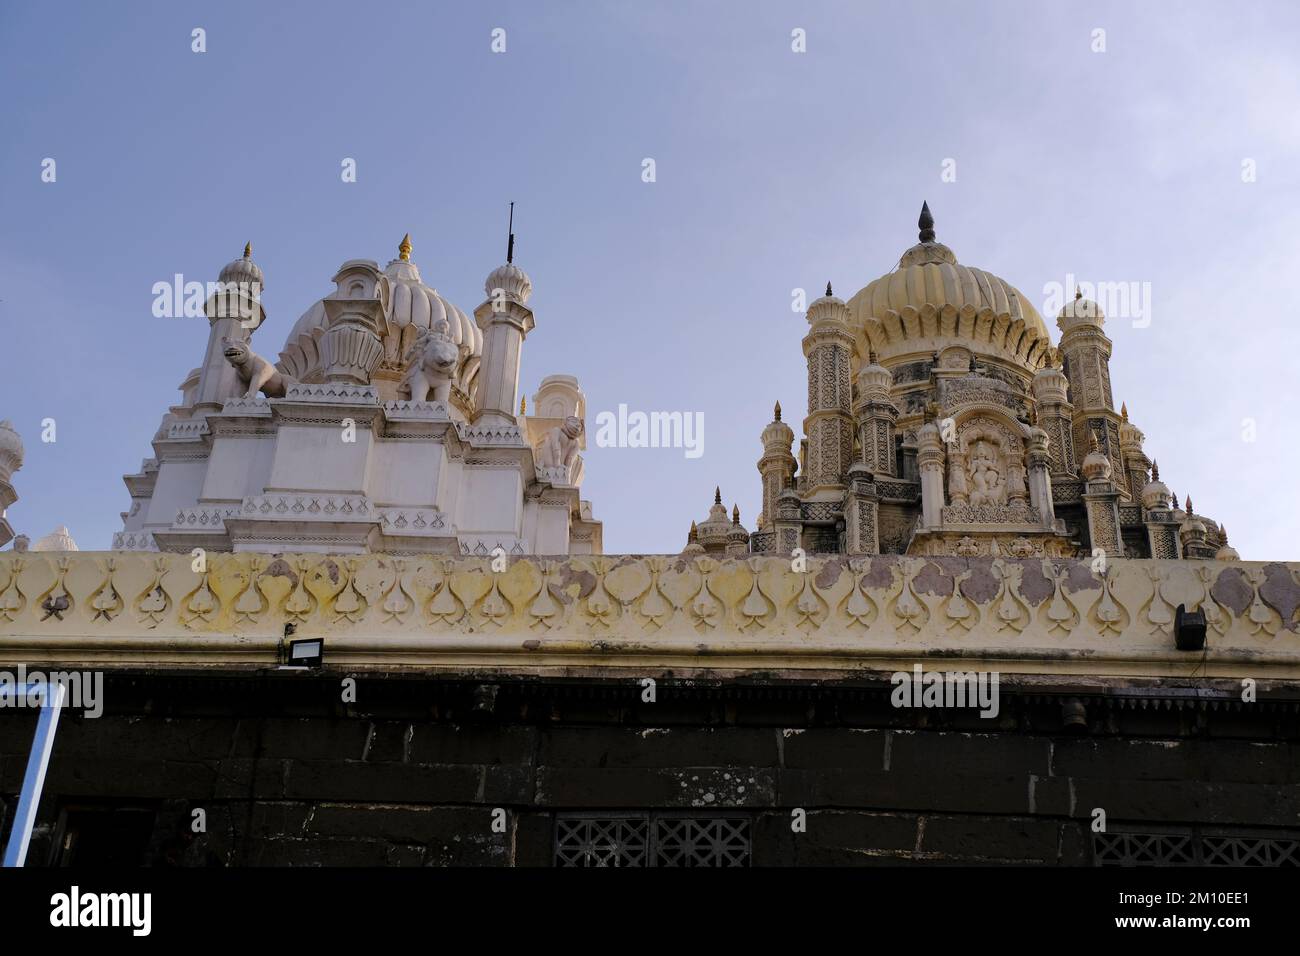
column 411, row 774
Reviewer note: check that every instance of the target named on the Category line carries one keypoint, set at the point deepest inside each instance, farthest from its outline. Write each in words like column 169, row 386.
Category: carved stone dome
column 931, row 301
column 11, row 450
column 511, row 280
column 60, row 539
column 410, row 307
column 243, row 269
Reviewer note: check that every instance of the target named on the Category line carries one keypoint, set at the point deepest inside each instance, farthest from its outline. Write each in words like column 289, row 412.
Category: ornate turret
column 1087, row 350
column 828, row 348
column 11, row 459
column 506, row 321
column 1136, row 463
column 234, row 313
column 877, row 415
column 1056, row 414
column 777, row 465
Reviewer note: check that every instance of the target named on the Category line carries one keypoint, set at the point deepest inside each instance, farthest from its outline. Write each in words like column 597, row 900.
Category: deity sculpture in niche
column 985, row 475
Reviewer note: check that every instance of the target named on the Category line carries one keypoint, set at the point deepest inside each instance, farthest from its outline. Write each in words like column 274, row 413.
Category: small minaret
column 1056, row 416
column 777, row 465
column 234, row 312
column 1101, row 501
column 828, row 347
column 1087, row 365
column 1136, row 463
column 506, row 321
column 877, row 415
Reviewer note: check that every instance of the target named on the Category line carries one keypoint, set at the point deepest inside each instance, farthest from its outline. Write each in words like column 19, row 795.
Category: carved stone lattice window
column 651, row 839
column 1194, row 847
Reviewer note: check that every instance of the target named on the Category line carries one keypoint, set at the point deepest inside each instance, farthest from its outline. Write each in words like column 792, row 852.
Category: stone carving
column 255, row 372
column 559, row 448
column 432, row 359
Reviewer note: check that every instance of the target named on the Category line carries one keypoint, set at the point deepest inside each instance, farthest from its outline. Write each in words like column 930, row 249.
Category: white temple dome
column 243, row 269
column 511, row 280
column 60, row 539
column 11, row 449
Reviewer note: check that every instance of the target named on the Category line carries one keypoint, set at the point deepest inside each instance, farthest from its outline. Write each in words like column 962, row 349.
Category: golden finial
column 1093, row 445
column 523, row 405
column 693, row 534
column 777, row 411
column 735, row 514
column 404, row 250
column 248, row 250
column 1123, row 410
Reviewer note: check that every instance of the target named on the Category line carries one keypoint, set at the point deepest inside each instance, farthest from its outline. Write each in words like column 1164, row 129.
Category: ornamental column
column 234, row 312
column 828, row 347
column 777, row 465
column 506, row 321
column 1040, row 482
column 1056, row 416
column 930, row 462
column 877, row 416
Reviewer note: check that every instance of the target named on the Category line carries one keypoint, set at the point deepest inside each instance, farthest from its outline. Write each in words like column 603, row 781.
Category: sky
column 1163, row 151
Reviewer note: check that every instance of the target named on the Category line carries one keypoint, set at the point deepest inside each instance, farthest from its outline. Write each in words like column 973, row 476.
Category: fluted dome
column 511, row 280
column 1096, row 465
column 243, row 269
column 1080, row 311
column 828, row 306
column 777, row 433
column 60, row 539
column 931, row 300
column 11, row 449
column 874, row 380
column 410, row 303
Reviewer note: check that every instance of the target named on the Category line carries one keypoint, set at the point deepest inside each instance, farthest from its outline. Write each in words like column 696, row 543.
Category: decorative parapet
column 342, row 393
column 188, row 430
column 259, row 406
column 134, row 541
column 204, row 517
column 631, row 614
column 492, row 435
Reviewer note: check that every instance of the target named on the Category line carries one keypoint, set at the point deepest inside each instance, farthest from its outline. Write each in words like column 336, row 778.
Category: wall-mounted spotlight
column 309, row 652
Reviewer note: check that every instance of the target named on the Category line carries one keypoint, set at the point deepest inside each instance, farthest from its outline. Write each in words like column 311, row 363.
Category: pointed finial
column 1078, row 293
column 777, row 411
column 510, row 243
column 1175, row 497
column 871, row 357
column 1123, row 410
column 828, row 289
column 1188, row 509
column 523, row 405
column 1155, row 470
column 693, row 535
column 404, row 249
column 1092, row 442
column 248, row 250
column 926, row 223
column 717, row 495
column 735, row 514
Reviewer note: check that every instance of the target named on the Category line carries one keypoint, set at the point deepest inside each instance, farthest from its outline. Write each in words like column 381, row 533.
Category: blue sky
column 775, row 170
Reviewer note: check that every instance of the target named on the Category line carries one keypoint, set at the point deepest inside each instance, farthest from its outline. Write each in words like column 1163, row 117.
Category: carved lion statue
column 432, row 359
column 560, row 446
column 255, row 372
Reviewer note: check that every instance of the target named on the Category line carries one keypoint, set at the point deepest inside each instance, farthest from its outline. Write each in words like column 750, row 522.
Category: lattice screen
column 1192, row 847
column 651, row 839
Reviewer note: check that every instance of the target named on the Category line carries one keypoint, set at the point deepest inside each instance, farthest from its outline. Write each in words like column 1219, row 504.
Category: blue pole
column 51, row 696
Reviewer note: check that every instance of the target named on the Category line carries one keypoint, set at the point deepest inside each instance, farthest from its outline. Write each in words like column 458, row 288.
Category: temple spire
column 926, row 223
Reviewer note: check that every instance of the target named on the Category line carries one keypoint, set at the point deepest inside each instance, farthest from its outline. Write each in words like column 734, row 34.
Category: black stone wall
column 287, row 774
